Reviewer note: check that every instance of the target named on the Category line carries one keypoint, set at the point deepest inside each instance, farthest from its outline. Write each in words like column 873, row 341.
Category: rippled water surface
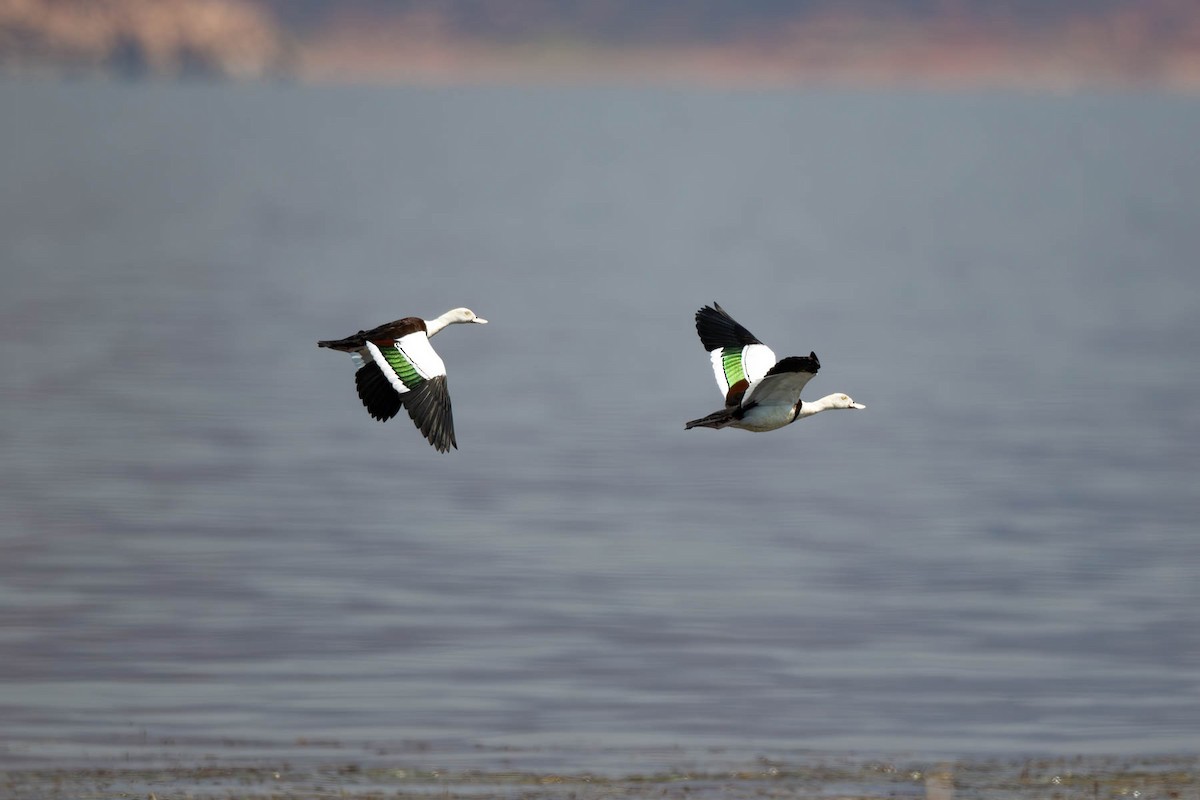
column 206, row 538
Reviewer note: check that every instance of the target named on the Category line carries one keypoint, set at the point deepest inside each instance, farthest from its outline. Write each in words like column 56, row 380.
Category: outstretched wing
column 717, row 329
column 739, row 359
column 429, row 408
column 416, row 377
column 406, row 361
column 784, row 382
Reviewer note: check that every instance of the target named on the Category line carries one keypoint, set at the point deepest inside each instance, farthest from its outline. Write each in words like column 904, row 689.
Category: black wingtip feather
column 380, row 399
column 809, row 363
column 429, row 407
column 717, row 329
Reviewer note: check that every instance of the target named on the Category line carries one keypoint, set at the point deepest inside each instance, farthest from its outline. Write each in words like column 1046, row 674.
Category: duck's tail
column 349, row 344
column 717, row 419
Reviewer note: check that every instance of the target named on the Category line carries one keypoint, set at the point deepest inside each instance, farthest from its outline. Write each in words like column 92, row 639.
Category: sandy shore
column 815, row 777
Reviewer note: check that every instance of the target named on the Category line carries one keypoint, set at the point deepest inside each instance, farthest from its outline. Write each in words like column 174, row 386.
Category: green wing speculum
column 404, row 368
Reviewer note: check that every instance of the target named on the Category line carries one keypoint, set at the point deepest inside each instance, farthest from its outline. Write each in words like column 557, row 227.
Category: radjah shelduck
column 761, row 393
column 397, row 366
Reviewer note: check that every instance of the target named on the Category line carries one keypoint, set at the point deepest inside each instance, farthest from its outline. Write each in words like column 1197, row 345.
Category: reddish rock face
column 216, row 38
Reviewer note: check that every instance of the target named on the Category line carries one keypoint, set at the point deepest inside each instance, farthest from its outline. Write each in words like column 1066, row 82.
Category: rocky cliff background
column 1062, row 45
column 227, row 38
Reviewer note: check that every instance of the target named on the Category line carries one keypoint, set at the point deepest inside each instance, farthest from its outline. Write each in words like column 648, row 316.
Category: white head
column 841, row 401
column 463, row 315
column 454, row 315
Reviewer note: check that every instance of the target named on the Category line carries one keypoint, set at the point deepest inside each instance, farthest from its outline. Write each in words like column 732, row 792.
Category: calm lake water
column 206, row 539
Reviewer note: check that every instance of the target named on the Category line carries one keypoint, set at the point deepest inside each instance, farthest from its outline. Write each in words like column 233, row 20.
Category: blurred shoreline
column 711, row 776
column 1153, row 45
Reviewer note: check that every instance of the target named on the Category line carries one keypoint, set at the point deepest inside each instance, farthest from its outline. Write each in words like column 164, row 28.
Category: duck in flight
column 398, row 367
column 761, row 393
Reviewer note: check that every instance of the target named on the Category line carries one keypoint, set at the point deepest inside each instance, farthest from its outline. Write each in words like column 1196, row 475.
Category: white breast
column 765, row 418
